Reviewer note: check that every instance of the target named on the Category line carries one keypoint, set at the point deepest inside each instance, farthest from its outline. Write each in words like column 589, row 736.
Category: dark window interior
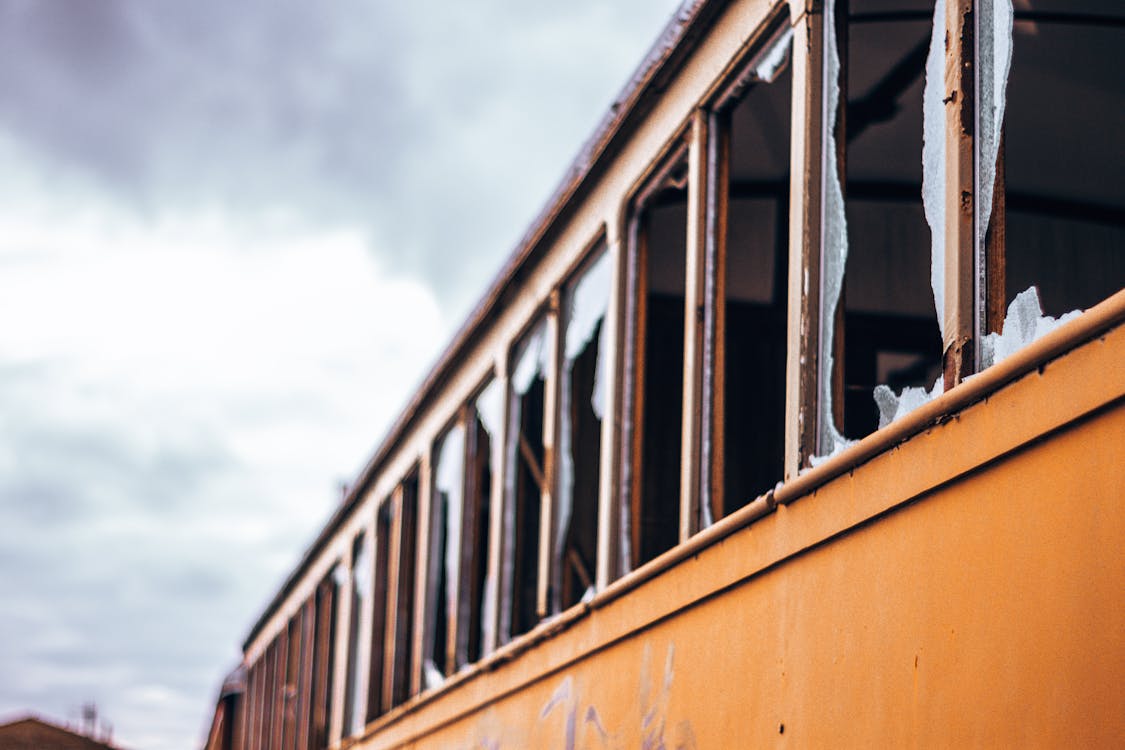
column 404, row 610
column 478, row 494
column 444, row 538
column 379, row 611
column 527, row 454
column 662, row 249
column 890, row 329
column 353, row 712
column 324, row 656
column 757, row 255
column 292, row 671
column 1064, row 155
column 580, row 438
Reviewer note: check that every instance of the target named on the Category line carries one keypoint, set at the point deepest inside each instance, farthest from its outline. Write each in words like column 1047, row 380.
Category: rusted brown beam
column 713, row 449
column 960, row 231
column 995, row 249
column 805, row 237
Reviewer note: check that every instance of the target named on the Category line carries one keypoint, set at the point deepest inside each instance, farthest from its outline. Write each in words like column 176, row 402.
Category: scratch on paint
column 654, row 709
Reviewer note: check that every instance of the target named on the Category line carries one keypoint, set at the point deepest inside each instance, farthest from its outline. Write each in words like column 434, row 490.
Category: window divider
column 393, row 615
column 961, row 311
column 692, row 471
column 547, row 520
column 609, row 513
column 423, row 476
column 806, row 201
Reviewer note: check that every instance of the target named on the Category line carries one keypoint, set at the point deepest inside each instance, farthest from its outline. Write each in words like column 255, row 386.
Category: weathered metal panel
column 961, row 588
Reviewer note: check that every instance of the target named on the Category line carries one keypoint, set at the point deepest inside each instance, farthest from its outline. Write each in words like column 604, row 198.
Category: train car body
column 778, row 427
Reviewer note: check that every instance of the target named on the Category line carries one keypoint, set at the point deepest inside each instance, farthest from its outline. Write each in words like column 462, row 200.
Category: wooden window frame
column 377, row 698
column 674, row 156
column 592, row 253
column 545, row 315
column 711, row 129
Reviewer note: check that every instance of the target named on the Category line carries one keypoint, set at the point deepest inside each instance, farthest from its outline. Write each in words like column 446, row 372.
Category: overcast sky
column 234, row 234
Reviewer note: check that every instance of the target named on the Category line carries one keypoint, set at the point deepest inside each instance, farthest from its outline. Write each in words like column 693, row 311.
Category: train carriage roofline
column 675, row 41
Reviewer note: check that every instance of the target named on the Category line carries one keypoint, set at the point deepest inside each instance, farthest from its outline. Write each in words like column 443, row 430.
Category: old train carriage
column 795, row 418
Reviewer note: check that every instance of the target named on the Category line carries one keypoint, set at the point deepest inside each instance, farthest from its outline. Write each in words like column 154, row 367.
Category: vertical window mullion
column 805, row 239
column 692, row 472
column 960, row 305
column 547, row 521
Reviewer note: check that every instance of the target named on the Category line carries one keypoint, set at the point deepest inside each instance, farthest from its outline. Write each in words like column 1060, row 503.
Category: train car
column 796, row 417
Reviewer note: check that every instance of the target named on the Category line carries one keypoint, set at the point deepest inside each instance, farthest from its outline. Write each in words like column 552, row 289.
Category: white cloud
column 232, row 238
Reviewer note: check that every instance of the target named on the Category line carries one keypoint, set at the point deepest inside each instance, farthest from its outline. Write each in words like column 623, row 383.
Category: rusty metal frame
column 380, row 598
column 674, row 156
column 599, row 247
column 716, row 181
column 961, row 311
column 806, row 201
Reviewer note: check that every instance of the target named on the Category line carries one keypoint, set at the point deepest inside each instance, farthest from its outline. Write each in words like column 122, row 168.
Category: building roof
column 33, row 733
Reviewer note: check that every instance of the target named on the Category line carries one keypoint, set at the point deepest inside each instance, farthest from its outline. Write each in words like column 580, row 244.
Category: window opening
column 305, row 684
column 581, row 405
column 270, row 659
column 379, row 593
column 653, row 402
column 484, row 445
column 1059, row 213
column 526, row 482
column 445, row 554
column 324, row 654
column 892, row 340
column 750, row 205
column 292, row 675
column 406, row 532
column 361, row 590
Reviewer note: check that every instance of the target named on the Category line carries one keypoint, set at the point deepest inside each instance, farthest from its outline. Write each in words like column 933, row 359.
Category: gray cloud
column 440, row 127
column 137, row 542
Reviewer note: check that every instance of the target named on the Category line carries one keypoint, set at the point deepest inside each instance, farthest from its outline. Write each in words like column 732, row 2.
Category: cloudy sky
column 233, row 237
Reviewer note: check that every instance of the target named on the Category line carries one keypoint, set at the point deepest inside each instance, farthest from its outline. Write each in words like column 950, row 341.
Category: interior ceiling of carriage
column 1067, row 85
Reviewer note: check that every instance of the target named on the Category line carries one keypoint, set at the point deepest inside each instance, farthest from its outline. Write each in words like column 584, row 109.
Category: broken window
column 483, row 447
column 323, row 661
column 377, row 696
column 1056, row 221
column 292, row 675
column 889, row 335
column 747, row 253
column 403, row 567
column 581, row 406
column 305, row 674
column 654, row 374
column 444, row 554
column 361, row 589
column 526, row 483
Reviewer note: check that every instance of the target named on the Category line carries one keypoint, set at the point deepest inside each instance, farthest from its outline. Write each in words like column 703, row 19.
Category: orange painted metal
column 963, row 587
